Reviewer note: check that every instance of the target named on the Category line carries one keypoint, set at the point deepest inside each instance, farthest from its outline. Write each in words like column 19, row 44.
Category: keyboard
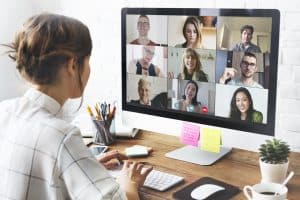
column 161, row 181
column 156, row 180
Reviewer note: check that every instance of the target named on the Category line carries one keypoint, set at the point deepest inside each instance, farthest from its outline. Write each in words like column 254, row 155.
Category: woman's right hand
column 132, row 177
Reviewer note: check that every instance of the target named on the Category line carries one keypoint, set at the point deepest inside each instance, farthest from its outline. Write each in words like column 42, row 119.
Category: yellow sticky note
column 210, row 140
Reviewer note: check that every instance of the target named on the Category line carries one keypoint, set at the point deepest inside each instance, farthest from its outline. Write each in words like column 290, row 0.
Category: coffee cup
column 266, row 191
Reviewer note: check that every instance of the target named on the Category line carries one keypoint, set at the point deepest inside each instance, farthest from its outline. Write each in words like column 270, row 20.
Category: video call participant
column 248, row 69
column 143, row 66
column 192, row 67
column 143, row 27
column 189, row 98
column 144, row 93
column 43, row 156
column 192, row 33
column 246, row 45
column 241, row 107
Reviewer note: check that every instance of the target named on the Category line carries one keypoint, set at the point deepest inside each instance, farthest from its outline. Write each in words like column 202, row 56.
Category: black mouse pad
column 185, row 193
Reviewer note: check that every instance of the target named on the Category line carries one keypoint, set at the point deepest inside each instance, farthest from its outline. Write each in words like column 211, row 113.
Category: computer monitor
column 210, row 66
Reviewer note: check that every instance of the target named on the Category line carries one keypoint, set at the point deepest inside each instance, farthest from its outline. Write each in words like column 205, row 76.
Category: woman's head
column 241, row 104
column 192, row 32
column 144, row 90
column 45, row 45
column 191, row 92
column 191, row 62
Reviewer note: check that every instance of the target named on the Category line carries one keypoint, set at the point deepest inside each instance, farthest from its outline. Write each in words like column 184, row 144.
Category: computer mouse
column 205, row 190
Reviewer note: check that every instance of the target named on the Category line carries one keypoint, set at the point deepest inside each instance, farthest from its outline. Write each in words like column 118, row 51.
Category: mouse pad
column 185, row 193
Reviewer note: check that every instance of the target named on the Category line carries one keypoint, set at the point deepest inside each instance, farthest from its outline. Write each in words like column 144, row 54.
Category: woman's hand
column 136, row 172
column 111, row 159
column 132, row 177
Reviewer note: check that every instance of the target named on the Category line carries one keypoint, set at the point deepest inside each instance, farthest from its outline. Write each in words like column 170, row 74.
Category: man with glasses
column 144, row 66
column 248, row 69
column 143, row 27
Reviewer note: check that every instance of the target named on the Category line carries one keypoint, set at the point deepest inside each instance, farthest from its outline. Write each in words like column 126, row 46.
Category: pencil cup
column 104, row 134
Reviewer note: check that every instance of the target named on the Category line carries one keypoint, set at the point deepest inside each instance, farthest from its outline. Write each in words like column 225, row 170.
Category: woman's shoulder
column 257, row 116
column 181, row 45
column 135, row 101
column 202, row 76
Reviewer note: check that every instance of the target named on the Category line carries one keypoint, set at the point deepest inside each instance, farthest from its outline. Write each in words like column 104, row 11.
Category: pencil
column 89, row 110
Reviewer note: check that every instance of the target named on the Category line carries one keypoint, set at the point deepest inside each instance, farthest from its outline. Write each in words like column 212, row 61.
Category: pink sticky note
column 190, row 134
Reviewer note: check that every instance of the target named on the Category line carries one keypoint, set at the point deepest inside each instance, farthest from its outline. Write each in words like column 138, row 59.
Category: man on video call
column 248, row 69
column 143, row 27
column 144, row 65
column 246, row 45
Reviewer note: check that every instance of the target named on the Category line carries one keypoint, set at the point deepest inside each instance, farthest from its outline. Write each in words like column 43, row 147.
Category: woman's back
column 41, row 154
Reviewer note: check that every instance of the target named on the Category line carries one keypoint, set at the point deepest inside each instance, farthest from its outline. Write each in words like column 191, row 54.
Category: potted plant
column 274, row 160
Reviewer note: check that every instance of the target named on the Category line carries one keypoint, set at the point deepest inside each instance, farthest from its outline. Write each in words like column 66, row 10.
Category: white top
column 44, row 157
column 239, row 82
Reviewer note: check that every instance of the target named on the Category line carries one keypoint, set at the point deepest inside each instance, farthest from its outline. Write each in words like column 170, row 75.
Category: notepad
column 136, row 151
column 210, row 140
column 190, row 134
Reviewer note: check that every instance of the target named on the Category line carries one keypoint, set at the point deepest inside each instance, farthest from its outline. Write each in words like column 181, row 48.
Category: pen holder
column 105, row 132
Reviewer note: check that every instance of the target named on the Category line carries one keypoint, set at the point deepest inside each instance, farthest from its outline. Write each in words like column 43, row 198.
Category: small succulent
column 274, row 151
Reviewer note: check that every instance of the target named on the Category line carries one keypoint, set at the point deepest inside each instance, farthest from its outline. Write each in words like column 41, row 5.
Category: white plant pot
column 275, row 173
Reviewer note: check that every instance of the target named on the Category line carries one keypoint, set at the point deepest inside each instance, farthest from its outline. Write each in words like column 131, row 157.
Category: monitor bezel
column 266, row 129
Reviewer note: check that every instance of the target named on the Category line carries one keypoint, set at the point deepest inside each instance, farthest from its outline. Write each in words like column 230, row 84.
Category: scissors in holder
column 103, row 107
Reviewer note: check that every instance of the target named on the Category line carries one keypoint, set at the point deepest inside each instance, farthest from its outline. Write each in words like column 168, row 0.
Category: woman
column 242, row 107
column 45, row 157
column 192, row 33
column 144, row 93
column 192, row 67
column 189, row 99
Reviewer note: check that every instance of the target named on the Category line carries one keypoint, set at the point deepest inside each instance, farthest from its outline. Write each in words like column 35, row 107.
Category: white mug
column 266, row 191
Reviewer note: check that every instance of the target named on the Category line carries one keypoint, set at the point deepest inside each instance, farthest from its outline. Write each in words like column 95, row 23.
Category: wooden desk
column 238, row 168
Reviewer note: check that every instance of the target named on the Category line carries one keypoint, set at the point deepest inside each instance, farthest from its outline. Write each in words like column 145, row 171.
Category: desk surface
column 238, row 168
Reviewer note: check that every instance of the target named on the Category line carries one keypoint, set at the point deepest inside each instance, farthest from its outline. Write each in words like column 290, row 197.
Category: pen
column 113, row 111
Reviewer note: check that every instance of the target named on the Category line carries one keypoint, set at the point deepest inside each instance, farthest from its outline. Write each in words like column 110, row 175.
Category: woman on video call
column 192, row 67
column 189, row 99
column 144, row 93
column 241, row 107
column 45, row 156
column 192, row 33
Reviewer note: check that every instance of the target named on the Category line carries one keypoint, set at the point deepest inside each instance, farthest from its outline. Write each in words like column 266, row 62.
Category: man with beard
column 248, row 69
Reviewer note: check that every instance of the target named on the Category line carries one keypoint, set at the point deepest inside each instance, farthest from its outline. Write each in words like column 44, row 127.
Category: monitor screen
column 210, row 66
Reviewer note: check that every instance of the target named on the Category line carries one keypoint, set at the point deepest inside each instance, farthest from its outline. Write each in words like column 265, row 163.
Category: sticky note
column 210, row 140
column 190, row 134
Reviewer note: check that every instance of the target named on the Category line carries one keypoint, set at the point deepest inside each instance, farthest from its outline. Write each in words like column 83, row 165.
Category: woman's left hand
column 112, row 159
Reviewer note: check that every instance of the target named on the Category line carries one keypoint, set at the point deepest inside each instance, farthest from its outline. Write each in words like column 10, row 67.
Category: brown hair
column 46, row 43
column 196, row 23
column 247, row 27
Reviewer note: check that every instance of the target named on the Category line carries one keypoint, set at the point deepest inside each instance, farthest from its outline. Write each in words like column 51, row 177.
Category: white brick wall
column 288, row 112
column 103, row 19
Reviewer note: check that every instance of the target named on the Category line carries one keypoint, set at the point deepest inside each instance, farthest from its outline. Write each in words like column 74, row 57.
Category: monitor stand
column 196, row 155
